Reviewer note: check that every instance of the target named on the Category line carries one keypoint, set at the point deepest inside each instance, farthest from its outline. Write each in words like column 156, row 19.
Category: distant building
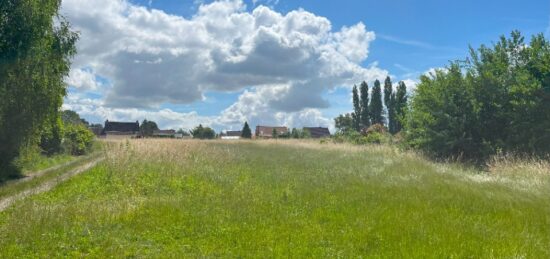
column 164, row 133
column 267, row 131
column 115, row 129
column 318, row 132
column 235, row 134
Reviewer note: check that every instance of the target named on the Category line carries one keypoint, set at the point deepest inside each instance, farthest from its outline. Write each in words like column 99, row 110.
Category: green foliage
column 356, row 115
column 246, row 132
column 51, row 136
column 29, row 154
column 442, row 117
column 390, row 102
column 365, row 118
column 274, row 133
column 147, row 128
column 36, row 45
column 377, row 134
column 375, row 105
column 78, row 139
column 299, row 133
column 71, row 117
column 344, row 123
column 201, row 132
column 495, row 101
column 400, row 102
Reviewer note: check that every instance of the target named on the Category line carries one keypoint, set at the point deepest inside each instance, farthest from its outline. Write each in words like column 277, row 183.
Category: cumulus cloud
column 153, row 58
column 83, row 79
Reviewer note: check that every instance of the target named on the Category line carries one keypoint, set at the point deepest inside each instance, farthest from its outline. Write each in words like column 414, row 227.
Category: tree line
column 36, row 46
column 497, row 100
column 368, row 111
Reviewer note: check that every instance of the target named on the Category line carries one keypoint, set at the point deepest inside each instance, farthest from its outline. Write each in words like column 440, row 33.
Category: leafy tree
column 295, row 133
column 496, row 100
column 400, row 103
column 201, row 132
column 365, row 118
column 246, row 132
column 389, row 101
column 442, row 119
column 356, row 110
column 36, row 45
column 78, row 139
column 71, row 117
column 305, row 134
column 147, row 128
column 344, row 123
column 274, row 133
column 375, row 106
column 51, row 136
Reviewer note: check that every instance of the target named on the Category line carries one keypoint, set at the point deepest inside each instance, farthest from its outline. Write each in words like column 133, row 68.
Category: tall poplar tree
column 356, row 110
column 365, row 120
column 388, row 92
column 400, row 106
column 375, row 106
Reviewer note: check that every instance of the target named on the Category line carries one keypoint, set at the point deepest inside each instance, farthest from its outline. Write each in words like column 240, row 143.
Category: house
column 114, row 129
column 164, row 133
column 318, row 132
column 267, row 131
column 235, row 134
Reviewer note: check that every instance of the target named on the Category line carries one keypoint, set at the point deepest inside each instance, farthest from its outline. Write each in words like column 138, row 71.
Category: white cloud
column 83, row 79
column 152, row 57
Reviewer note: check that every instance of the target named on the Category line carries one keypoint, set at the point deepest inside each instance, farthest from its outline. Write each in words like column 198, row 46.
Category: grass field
column 264, row 199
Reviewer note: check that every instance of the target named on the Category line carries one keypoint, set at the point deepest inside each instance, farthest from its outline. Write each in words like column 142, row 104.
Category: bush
column 201, row 132
column 498, row 99
column 51, row 137
column 78, row 139
column 375, row 138
column 376, row 128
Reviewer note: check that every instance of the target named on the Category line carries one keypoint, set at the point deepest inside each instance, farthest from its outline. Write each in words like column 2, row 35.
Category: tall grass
column 167, row 198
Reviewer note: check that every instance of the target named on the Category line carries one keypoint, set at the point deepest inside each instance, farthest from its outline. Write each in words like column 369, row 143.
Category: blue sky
column 411, row 37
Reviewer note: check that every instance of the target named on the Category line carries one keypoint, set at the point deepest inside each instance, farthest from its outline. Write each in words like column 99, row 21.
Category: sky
column 269, row 62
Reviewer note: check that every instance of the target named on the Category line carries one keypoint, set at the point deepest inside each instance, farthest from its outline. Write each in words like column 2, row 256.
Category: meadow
column 283, row 198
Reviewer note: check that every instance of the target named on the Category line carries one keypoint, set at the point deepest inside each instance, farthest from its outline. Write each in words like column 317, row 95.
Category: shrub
column 78, row 139
column 51, row 137
column 375, row 138
column 376, row 128
column 201, row 132
column 497, row 99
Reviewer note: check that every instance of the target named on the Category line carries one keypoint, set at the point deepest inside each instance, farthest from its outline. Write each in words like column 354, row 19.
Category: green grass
column 44, row 162
column 165, row 198
column 58, row 168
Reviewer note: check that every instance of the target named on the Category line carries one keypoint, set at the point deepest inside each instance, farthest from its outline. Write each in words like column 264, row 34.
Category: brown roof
column 267, row 131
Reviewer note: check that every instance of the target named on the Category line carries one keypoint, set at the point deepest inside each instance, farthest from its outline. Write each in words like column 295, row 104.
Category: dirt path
column 48, row 185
